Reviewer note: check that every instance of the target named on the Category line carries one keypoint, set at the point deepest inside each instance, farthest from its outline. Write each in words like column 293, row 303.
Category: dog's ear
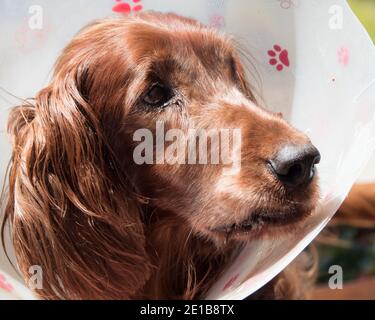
column 240, row 74
column 71, row 209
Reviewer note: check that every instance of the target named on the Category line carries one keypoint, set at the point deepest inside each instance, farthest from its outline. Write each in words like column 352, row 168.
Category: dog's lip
column 246, row 225
column 262, row 217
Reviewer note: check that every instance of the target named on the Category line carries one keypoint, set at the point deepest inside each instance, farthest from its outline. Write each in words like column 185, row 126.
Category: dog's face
column 176, row 74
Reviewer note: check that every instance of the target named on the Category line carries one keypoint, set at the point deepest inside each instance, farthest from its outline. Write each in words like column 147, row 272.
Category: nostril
column 316, row 158
column 294, row 165
column 290, row 175
column 294, row 172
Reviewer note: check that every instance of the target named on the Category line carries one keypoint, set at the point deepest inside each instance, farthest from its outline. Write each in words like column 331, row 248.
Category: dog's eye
column 158, row 95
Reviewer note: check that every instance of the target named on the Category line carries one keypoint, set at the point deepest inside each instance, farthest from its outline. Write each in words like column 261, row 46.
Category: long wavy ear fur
column 71, row 209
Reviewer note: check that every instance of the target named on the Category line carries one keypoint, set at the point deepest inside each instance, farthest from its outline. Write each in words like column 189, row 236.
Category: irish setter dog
column 102, row 226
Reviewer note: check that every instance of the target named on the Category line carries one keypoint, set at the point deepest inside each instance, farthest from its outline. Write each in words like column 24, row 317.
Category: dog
column 104, row 227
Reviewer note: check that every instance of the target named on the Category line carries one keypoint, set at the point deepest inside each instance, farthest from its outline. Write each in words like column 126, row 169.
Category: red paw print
column 279, row 57
column 124, row 7
column 230, row 282
column 4, row 284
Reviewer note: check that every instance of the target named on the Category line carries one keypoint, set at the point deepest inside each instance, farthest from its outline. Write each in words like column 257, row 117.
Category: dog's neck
column 186, row 266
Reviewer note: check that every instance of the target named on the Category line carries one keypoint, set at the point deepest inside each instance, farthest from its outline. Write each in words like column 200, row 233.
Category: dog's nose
column 294, row 165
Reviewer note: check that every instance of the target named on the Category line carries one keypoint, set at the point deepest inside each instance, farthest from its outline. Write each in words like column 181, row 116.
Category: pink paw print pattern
column 217, row 21
column 230, row 282
column 4, row 284
column 343, row 56
column 28, row 40
column 287, row 4
column 278, row 57
column 217, row 3
column 125, row 7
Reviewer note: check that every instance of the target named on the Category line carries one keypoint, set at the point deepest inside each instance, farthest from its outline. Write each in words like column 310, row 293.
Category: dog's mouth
column 261, row 218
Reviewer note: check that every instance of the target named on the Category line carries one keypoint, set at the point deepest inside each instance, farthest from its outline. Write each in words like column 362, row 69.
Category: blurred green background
column 351, row 248
column 365, row 11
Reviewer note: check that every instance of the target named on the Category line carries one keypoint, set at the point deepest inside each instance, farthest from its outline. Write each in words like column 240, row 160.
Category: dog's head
column 189, row 132
column 150, row 108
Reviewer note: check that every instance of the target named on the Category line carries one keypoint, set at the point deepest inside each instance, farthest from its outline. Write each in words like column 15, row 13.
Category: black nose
column 294, row 165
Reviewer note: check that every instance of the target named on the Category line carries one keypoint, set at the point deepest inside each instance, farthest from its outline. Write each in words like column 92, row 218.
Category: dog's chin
column 261, row 222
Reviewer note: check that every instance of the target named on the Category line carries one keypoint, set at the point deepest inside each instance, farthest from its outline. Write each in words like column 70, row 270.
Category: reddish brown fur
column 103, row 227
